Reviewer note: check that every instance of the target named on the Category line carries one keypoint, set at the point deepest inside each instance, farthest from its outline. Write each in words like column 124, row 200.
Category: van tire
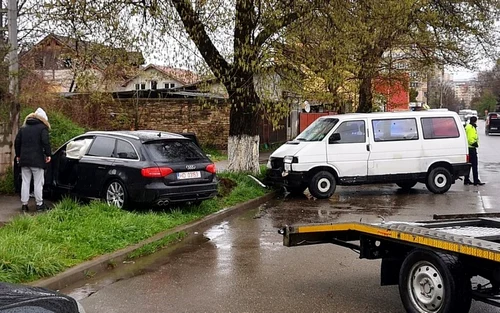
column 439, row 180
column 407, row 185
column 322, row 185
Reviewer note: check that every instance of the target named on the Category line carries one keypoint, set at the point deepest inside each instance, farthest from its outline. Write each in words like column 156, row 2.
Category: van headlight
column 290, row 159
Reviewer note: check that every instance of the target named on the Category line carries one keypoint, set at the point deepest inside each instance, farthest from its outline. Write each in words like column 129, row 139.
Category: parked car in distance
column 15, row 298
column 492, row 123
column 123, row 167
column 404, row 148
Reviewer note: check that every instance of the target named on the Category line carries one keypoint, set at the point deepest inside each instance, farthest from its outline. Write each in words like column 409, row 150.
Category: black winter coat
column 32, row 143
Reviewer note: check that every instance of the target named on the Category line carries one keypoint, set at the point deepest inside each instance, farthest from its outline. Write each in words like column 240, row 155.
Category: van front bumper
column 274, row 177
column 461, row 169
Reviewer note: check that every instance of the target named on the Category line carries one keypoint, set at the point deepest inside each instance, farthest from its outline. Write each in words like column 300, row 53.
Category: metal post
column 13, row 71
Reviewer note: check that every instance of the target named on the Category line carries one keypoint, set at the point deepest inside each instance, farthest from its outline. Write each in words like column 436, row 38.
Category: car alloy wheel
column 116, row 194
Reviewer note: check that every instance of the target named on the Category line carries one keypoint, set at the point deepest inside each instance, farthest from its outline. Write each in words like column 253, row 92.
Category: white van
column 405, row 148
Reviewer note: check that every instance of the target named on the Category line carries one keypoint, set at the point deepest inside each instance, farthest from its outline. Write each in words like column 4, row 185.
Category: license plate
column 494, row 128
column 189, row 175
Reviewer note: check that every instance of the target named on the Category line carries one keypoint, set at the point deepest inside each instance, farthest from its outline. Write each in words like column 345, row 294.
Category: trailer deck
column 453, row 250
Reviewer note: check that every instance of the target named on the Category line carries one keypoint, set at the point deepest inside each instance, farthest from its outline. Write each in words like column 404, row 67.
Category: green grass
column 33, row 247
column 7, row 182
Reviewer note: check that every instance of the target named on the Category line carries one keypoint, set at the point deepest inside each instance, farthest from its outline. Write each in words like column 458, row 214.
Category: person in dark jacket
column 32, row 147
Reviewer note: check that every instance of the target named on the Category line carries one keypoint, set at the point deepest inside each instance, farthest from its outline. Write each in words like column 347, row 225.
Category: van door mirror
column 334, row 138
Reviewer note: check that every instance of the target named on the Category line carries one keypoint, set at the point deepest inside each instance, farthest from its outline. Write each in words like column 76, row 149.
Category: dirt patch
column 226, row 185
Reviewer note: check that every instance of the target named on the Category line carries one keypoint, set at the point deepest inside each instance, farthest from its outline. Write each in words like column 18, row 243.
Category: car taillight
column 210, row 168
column 467, row 158
column 156, row 172
column 494, row 116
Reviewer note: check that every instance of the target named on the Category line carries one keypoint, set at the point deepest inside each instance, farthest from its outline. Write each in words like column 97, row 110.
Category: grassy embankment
column 33, row 247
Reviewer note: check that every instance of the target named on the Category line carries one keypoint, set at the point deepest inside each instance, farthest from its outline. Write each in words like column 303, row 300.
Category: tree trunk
column 365, row 95
column 243, row 141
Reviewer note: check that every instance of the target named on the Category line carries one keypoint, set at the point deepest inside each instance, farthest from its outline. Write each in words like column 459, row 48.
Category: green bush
column 7, row 182
column 63, row 129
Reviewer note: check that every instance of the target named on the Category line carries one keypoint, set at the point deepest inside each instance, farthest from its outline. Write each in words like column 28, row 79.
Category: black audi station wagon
column 121, row 167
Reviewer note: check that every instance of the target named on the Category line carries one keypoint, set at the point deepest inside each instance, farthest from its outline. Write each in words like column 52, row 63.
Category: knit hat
column 41, row 113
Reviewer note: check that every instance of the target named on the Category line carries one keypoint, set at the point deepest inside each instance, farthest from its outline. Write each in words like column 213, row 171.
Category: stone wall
column 209, row 119
column 5, row 147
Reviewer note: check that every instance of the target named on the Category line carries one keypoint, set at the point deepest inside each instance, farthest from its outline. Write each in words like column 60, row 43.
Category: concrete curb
column 102, row 263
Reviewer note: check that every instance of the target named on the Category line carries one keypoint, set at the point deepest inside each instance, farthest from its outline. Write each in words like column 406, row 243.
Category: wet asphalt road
column 241, row 265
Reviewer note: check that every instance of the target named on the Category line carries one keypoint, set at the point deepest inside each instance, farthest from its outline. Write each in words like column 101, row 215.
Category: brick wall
column 208, row 119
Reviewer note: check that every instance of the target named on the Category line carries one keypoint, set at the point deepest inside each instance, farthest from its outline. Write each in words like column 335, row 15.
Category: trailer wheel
column 439, row 180
column 322, row 185
column 431, row 282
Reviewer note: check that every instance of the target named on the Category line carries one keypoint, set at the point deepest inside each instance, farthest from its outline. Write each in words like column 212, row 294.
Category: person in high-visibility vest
column 473, row 141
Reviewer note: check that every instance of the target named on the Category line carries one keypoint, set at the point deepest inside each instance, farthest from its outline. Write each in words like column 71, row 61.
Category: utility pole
column 13, row 71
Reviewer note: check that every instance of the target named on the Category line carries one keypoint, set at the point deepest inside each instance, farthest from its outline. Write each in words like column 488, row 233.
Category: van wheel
column 322, row 185
column 439, row 180
column 406, row 185
column 431, row 282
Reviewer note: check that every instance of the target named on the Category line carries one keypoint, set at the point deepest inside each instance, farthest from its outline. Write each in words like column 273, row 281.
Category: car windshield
column 318, row 129
column 174, row 151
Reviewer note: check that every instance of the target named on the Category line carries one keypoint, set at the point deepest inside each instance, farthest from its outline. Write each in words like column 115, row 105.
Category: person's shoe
column 479, row 183
column 41, row 207
column 25, row 208
column 467, row 182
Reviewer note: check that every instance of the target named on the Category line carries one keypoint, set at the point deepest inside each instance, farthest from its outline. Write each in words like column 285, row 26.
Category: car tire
column 322, row 185
column 433, row 282
column 116, row 194
column 407, row 185
column 439, row 180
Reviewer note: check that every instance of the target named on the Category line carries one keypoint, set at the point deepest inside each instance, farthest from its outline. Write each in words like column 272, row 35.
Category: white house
column 153, row 77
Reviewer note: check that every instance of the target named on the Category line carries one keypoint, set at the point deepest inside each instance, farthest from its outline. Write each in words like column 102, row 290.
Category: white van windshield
column 317, row 130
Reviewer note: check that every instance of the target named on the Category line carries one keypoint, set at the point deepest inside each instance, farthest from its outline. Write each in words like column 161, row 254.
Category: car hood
column 289, row 148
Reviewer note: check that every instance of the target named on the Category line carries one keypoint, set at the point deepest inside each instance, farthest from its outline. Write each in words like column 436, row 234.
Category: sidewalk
column 10, row 206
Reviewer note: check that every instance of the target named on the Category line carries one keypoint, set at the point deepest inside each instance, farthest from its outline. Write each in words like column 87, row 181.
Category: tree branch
column 197, row 33
column 271, row 29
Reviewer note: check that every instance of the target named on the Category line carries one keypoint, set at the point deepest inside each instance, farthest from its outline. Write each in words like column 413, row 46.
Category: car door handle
column 368, row 147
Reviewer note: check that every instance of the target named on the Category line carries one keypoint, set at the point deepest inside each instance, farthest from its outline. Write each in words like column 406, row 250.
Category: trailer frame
column 453, row 249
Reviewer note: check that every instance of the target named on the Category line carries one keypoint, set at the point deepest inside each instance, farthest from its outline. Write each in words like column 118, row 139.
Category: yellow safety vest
column 472, row 136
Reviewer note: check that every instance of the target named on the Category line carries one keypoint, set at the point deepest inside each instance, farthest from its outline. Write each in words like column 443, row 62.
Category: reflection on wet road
column 240, row 265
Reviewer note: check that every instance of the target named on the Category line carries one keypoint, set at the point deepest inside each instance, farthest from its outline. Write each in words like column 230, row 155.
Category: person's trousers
column 38, row 177
column 473, row 162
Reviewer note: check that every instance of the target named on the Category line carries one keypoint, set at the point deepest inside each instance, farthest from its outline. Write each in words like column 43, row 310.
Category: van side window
column 395, row 129
column 439, row 127
column 352, row 132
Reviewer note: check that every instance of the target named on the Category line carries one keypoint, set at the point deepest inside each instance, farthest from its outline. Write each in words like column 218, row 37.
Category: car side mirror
column 334, row 138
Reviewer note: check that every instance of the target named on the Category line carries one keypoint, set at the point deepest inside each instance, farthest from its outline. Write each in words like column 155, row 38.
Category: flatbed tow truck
column 433, row 262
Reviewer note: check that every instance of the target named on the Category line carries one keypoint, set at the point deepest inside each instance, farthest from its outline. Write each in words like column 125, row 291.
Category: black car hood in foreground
column 25, row 299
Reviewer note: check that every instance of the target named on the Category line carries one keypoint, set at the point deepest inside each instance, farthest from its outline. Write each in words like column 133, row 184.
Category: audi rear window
column 174, row 151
